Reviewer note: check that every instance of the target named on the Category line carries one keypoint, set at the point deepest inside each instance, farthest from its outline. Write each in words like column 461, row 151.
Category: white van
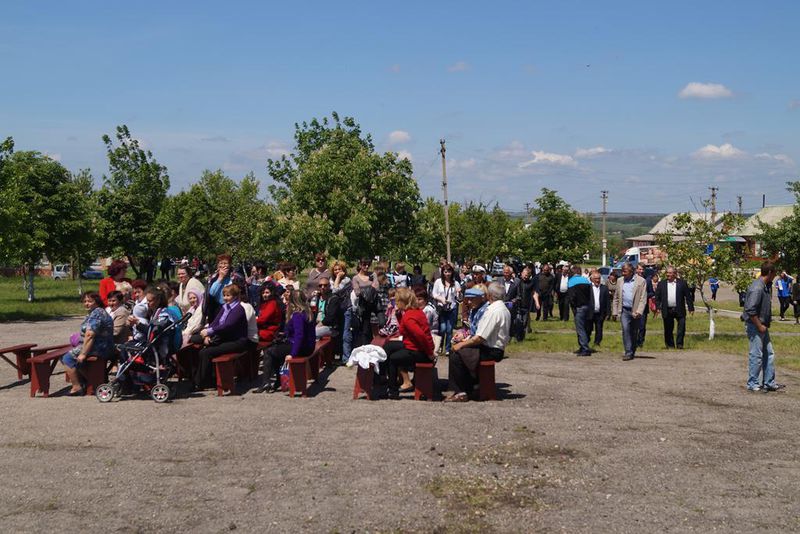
column 60, row 272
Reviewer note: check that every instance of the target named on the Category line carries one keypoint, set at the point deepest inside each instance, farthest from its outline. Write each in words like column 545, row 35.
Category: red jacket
column 268, row 320
column 416, row 332
column 107, row 285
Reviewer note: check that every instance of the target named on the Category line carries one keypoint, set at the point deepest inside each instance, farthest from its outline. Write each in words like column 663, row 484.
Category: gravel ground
column 669, row 443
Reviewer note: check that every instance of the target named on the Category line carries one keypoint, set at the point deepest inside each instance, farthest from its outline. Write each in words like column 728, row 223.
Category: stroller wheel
column 117, row 388
column 160, row 393
column 104, row 392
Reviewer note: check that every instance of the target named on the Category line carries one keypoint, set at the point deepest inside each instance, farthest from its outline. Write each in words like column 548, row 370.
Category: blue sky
column 653, row 102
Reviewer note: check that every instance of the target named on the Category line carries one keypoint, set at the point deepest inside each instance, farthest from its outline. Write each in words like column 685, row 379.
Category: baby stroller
column 147, row 365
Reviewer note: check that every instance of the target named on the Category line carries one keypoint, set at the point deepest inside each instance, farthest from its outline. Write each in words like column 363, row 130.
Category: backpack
column 336, row 305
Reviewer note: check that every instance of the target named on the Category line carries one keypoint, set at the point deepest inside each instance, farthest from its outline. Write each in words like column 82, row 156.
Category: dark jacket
column 604, row 295
column 557, row 283
column 758, row 301
column 579, row 292
column 683, row 298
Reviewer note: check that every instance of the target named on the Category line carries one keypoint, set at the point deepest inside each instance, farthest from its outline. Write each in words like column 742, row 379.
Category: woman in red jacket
column 270, row 315
column 417, row 344
column 116, row 272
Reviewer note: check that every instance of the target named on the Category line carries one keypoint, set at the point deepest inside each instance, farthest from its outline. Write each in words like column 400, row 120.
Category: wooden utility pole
column 527, row 213
column 446, row 205
column 604, row 196
column 739, row 201
column 714, row 204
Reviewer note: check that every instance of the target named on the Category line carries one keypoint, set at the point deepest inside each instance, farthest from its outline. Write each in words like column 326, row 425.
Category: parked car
column 92, row 274
column 60, row 272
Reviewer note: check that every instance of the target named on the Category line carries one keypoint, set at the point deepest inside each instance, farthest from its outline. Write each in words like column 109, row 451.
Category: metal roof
column 768, row 215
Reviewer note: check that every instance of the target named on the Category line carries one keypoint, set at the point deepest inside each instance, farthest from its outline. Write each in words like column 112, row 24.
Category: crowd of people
column 460, row 313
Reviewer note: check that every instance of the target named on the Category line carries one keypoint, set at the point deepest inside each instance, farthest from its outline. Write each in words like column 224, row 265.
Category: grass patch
column 54, row 299
column 479, row 494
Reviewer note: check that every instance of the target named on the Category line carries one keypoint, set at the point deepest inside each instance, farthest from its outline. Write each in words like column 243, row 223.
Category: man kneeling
column 487, row 343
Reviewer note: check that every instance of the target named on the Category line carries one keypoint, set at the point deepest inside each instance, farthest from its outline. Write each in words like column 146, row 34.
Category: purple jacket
column 230, row 324
column 302, row 334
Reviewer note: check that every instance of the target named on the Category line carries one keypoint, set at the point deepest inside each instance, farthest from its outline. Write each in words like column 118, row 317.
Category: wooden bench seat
column 21, row 352
column 486, row 382
column 42, row 366
column 424, row 381
column 225, row 370
column 303, row 369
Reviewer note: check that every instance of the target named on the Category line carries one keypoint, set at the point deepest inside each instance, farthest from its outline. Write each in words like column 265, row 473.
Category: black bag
column 336, row 306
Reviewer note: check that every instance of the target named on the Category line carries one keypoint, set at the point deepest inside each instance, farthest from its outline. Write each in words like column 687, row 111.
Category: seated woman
column 226, row 333
column 289, row 271
column 417, row 343
column 195, row 323
column 97, row 339
column 119, row 314
column 300, row 339
column 270, row 315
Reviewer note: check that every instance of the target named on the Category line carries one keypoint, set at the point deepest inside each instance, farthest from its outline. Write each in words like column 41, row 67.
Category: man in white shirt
column 672, row 298
column 488, row 343
column 599, row 308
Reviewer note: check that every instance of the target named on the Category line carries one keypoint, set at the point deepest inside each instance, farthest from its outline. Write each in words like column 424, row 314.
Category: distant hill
column 619, row 224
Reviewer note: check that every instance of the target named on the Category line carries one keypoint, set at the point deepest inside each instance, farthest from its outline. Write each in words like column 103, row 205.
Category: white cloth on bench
column 367, row 355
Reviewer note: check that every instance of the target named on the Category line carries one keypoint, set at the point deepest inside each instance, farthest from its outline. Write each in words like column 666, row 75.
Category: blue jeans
column 581, row 319
column 761, row 358
column 447, row 321
column 347, row 335
column 630, row 331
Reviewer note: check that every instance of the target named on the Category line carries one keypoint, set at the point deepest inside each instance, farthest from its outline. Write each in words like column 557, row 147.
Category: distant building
column 664, row 226
column 750, row 229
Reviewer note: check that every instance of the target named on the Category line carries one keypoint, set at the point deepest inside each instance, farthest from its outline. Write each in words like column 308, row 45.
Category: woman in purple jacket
column 227, row 333
column 299, row 341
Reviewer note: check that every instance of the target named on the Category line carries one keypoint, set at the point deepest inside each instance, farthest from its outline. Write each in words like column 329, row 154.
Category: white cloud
column 591, row 152
column 469, row 163
column 549, row 158
column 458, row 66
column 705, row 91
column 398, row 137
column 782, row 158
column 725, row 151
column 514, row 150
column 405, row 154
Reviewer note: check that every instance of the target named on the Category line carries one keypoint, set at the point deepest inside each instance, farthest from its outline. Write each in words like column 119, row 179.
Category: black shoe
column 627, row 357
column 585, row 353
column 394, row 395
column 776, row 387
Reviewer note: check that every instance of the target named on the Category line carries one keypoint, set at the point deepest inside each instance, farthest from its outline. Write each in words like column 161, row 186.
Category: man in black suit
column 561, row 289
column 598, row 308
column 673, row 297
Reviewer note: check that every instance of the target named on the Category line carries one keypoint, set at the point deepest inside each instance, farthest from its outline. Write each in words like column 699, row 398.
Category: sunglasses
column 324, row 285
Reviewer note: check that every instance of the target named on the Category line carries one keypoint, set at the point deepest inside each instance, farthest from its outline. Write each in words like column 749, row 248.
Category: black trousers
column 204, row 371
column 596, row 324
column 399, row 357
column 669, row 319
column 463, row 367
column 785, row 301
column 545, row 310
column 642, row 328
column 563, row 307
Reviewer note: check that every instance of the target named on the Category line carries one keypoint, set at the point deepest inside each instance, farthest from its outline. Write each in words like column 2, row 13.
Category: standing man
column 650, row 293
column 611, row 284
column 672, row 297
column 580, row 298
column 319, row 271
column 757, row 315
column 561, row 290
column 599, row 308
column 630, row 301
column 545, row 282
column 784, row 286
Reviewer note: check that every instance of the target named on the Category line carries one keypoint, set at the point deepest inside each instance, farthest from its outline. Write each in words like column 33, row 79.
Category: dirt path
column 583, row 445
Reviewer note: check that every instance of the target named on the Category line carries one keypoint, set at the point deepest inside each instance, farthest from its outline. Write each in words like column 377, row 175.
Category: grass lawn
column 53, row 299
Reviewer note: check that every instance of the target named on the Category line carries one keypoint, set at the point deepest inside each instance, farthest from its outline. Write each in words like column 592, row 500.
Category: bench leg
column 23, row 367
column 314, row 365
column 95, row 374
column 364, row 379
column 40, row 378
column 488, row 389
column 225, row 377
column 423, row 381
column 298, row 376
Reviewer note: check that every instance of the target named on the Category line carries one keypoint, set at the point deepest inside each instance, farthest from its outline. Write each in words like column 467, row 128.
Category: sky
column 654, row 102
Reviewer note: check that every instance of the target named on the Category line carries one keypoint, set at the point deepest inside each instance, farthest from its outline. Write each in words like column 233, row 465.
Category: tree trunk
column 710, row 310
column 31, row 295
column 133, row 266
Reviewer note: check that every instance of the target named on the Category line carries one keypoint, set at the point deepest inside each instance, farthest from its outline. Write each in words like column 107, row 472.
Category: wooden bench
column 95, row 373
column 22, row 352
column 364, row 382
column 225, row 370
column 303, row 369
column 487, row 386
column 42, row 363
column 424, row 382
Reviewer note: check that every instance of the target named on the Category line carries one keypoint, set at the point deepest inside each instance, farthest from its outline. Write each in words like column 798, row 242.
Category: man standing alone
column 629, row 303
column 757, row 316
column 672, row 296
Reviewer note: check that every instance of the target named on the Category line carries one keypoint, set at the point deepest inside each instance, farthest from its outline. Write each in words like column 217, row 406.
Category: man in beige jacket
column 630, row 299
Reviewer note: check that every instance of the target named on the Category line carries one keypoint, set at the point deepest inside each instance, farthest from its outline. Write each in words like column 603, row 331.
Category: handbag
column 284, row 377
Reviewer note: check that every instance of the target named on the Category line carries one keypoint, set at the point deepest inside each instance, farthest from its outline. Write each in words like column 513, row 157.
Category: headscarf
column 199, row 295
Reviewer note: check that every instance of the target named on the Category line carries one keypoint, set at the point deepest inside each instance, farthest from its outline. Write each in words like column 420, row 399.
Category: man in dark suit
column 598, row 308
column 561, row 289
column 673, row 298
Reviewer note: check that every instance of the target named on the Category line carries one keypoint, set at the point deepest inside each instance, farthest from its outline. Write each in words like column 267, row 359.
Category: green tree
column 131, row 198
column 702, row 253
column 47, row 208
column 342, row 193
column 782, row 239
column 557, row 232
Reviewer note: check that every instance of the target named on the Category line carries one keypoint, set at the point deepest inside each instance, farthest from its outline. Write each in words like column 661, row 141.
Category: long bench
column 303, row 369
column 42, row 363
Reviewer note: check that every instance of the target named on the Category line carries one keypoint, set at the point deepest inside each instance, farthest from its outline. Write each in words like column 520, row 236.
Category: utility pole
column 527, row 213
column 446, row 206
column 604, row 196
column 739, row 201
column 714, row 204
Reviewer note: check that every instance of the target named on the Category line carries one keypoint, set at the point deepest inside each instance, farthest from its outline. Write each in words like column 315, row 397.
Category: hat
column 474, row 292
column 478, row 269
